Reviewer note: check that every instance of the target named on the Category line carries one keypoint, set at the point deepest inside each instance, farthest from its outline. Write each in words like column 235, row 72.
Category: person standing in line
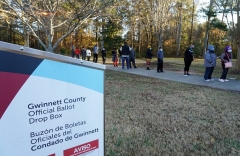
column 77, row 52
column 83, row 52
column 160, row 56
column 148, row 56
column 188, row 58
column 95, row 53
column 225, row 57
column 114, row 57
column 72, row 51
column 125, row 50
column 120, row 55
column 132, row 56
column 209, row 62
column 104, row 55
column 88, row 53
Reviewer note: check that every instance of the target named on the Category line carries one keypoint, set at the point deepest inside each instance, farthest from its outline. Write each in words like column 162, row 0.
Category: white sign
column 51, row 105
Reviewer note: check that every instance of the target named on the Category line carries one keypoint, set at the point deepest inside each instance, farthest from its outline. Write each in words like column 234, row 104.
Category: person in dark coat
column 125, row 50
column 188, row 58
column 104, row 55
column 83, row 52
column 160, row 56
column 148, row 57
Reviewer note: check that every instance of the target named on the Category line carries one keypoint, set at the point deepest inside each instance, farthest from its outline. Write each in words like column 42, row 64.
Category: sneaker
column 162, row 71
column 226, row 80
column 221, row 80
column 189, row 74
column 158, row 71
column 207, row 80
column 185, row 75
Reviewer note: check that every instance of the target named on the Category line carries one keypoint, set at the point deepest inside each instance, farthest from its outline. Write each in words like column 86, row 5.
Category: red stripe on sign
column 52, row 155
column 80, row 149
column 10, row 84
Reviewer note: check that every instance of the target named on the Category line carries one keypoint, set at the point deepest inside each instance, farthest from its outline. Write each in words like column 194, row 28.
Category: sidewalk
column 231, row 85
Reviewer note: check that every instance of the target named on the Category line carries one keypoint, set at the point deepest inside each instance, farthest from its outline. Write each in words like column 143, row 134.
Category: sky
column 203, row 19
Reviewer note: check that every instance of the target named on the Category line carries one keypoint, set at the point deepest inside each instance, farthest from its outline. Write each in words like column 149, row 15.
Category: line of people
column 210, row 62
column 86, row 53
column 127, row 55
column 160, row 56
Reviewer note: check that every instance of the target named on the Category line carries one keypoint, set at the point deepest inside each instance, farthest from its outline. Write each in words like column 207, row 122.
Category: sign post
column 51, row 105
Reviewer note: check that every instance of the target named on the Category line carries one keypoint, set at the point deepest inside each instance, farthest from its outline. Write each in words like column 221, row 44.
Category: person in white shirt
column 88, row 52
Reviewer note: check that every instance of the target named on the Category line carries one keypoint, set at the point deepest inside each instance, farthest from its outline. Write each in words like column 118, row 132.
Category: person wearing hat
column 225, row 57
column 148, row 56
column 188, row 58
column 209, row 62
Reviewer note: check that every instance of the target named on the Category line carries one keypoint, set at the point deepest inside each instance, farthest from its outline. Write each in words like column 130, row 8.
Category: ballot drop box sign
column 50, row 105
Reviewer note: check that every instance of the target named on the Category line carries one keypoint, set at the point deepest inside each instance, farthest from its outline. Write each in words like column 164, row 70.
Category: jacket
column 160, row 54
column 125, row 50
column 132, row 54
column 210, row 59
column 188, row 55
column 226, row 57
column 88, row 52
column 149, row 54
column 104, row 53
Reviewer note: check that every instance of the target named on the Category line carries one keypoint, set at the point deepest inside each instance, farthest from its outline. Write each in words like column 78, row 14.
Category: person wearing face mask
column 188, row 58
column 148, row 56
column 209, row 62
column 225, row 57
column 160, row 60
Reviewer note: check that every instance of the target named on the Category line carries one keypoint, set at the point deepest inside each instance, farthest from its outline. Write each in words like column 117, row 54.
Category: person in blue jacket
column 209, row 62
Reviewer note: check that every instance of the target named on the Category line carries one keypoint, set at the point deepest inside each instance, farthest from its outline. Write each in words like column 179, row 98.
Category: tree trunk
column 191, row 31
column 139, row 40
column 179, row 31
column 102, row 36
column 160, row 37
column 207, row 29
column 26, row 38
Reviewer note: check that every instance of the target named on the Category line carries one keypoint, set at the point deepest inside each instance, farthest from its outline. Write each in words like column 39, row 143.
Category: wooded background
column 56, row 25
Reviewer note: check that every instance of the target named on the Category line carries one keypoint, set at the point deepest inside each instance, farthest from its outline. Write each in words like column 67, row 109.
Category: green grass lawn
column 153, row 117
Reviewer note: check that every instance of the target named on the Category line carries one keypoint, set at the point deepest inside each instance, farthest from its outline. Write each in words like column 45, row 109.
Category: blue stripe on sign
column 82, row 76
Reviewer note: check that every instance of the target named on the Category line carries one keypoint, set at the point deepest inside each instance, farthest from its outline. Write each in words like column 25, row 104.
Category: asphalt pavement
column 231, row 85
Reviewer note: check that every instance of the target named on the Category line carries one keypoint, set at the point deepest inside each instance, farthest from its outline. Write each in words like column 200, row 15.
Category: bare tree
column 54, row 15
column 179, row 28
column 158, row 16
